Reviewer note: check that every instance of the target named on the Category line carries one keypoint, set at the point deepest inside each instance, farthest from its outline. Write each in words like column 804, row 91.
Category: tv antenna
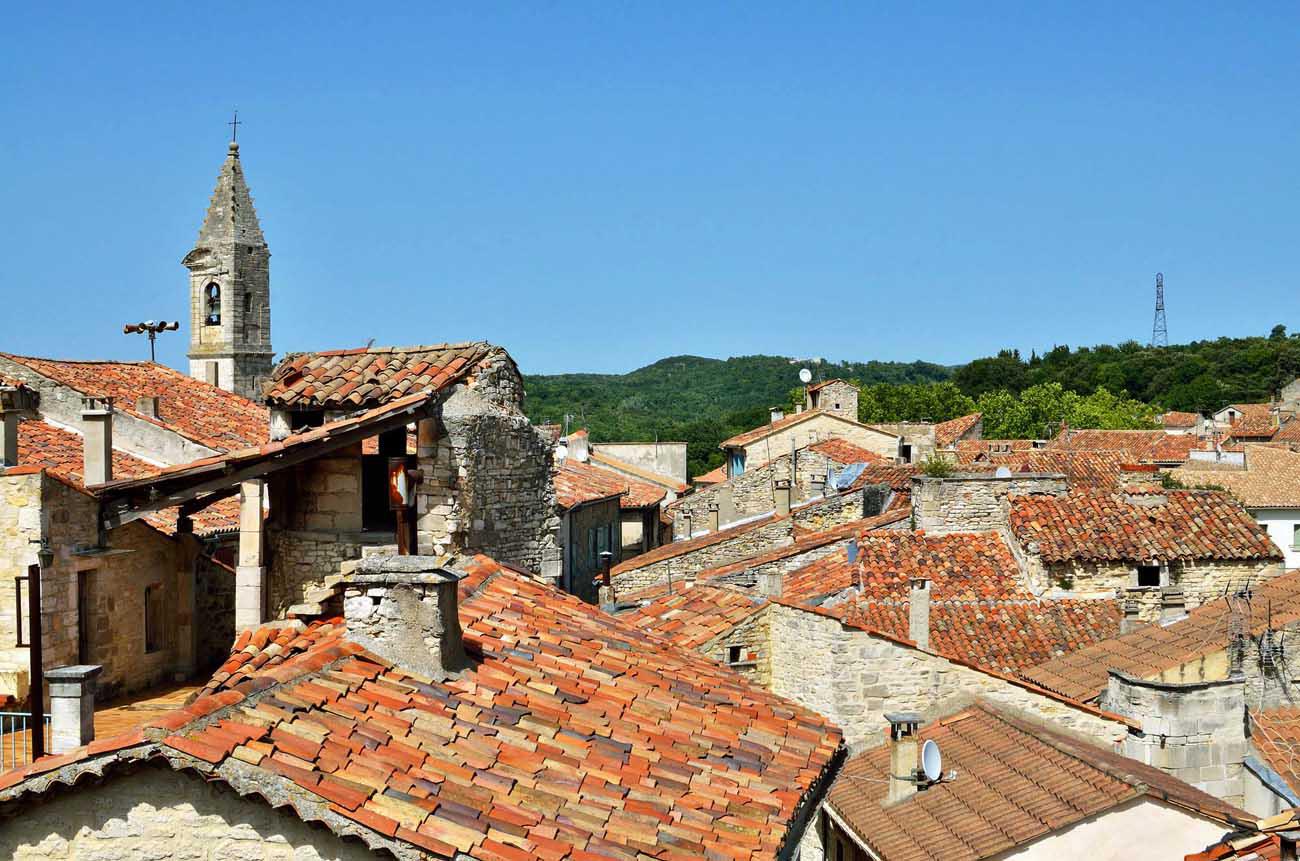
column 1159, row 328
column 150, row 328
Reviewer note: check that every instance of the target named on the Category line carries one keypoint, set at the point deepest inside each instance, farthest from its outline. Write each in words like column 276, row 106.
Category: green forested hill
column 692, row 399
column 704, row 401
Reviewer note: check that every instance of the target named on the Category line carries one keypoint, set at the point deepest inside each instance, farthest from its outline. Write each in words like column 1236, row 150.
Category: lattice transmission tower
column 1160, row 329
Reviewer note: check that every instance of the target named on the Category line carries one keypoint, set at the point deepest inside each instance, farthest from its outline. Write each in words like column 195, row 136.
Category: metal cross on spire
column 234, row 127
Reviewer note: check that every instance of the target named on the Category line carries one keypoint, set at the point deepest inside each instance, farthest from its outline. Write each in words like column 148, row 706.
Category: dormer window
column 212, row 304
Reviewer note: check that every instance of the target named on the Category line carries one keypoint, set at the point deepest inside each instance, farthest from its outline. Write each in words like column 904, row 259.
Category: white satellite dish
column 931, row 761
column 805, row 375
column 1002, row 472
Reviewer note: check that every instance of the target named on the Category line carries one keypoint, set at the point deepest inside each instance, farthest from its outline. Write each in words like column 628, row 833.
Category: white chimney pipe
column 97, row 438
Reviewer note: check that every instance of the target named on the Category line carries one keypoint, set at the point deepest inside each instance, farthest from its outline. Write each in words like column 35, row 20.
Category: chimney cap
column 91, row 404
column 903, row 717
column 404, row 569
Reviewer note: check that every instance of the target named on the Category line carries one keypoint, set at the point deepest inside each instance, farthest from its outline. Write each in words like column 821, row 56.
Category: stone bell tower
column 230, row 289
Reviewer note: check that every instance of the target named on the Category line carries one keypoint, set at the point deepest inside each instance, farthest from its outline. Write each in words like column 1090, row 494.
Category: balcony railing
column 16, row 739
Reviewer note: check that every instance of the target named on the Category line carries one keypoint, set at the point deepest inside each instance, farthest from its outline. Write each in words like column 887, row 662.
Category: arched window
column 212, row 316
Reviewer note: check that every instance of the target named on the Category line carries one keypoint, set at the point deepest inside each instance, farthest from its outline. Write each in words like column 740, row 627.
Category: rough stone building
column 1191, row 686
column 1161, row 551
column 538, row 746
column 786, row 434
column 230, row 289
column 480, row 477
column 149, row 601
column 590, row 502
column 837, row 397
column 808, row 470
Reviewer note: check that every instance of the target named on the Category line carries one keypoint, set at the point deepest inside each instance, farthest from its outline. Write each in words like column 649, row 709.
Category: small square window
column 735, row 654
column 1148, row 575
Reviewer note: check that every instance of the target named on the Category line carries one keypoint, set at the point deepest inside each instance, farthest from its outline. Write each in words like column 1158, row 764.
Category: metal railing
column 16, row 739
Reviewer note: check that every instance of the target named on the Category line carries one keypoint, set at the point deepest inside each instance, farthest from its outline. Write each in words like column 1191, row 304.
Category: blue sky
column 599, row 186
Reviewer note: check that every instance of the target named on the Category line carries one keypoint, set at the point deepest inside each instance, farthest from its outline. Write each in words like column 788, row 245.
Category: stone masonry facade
column 854, row 677
column 1194, row 731
column 975, row 503
column 157, row 813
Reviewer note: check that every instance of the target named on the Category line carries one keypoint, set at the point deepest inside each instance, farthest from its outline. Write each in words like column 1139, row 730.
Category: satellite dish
column 1002, row 472
column 931, row 761
column 805, row 375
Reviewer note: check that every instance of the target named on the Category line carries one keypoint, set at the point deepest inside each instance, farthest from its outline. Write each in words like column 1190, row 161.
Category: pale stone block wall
column 663, row 458
column 1194, row 731
column 753, row 636
column 974, row 503
column 1162, row 831
column 156, row 813
column 817, row 429
column 1201, row 580
column 853, row 677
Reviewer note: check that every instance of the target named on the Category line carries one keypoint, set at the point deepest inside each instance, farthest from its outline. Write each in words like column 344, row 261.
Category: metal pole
column 37, row 671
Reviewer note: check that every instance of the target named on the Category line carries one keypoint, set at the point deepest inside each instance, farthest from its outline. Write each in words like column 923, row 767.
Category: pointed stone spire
column 231, row 217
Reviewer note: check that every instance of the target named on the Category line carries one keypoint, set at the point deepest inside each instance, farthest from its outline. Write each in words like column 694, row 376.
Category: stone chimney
column 97, row 437
column 782, row 497
column 577, row 445
column 713, row 517
column 918, row 613
column 690, row 523
column 904, row 753
column 1131, row 620
column 1173, row 604
column 777, row 413
column 769, row 583
column 404, row 609
column 72, row 706
column 147, row 405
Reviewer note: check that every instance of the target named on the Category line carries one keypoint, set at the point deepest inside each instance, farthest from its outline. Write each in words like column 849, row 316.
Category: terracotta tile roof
column 579, row 483
column 1271, row 478
column 961, row 566
column 1134, row 446
column 408, row 405
column 693, row 616
column 637, row 472
column 971, row 450
column 1091, row 525
column 1248, row 847
column 571, row 735
column 713, row 476
column 1175, row 419
column 818, row 386
column 60, row 452
column 844, row 452
column 1081, row 468
column 365, row 377
column 946, row 434
column 690, row 545
column 371, row 444
column 762, row 431
column 196, row 410
column 1275, row 734
column 897, row 476
column 1017, row 782
column 1152, row 649
column 802, row 544
column 979, row 609
column 1005, row 636
column 1256, row 420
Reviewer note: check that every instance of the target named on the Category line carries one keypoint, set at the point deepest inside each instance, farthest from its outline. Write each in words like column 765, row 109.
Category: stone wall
column 816, row 429
column 748, row 541
column 852, row 677
column 157, row 813
column 974, row 503
column 838, row 397
column 487, row 484
column 662, row 458
column 115, row 578
column 581, row 562
column 1200, row 581
column 20, row 523
column 214, row 614
column 753, row 492
column 753, row 637
column 1194, row 731
column 298, row 561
